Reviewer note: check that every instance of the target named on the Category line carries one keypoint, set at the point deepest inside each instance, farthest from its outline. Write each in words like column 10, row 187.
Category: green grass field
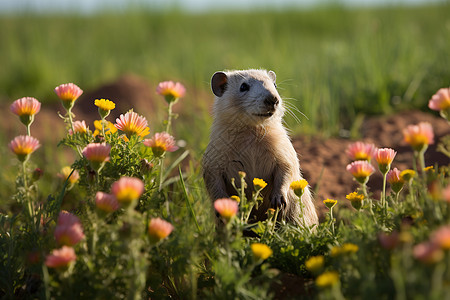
column 332, row 63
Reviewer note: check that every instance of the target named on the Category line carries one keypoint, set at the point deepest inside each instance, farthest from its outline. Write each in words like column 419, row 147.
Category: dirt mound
column 127, row 92
column 323, row 161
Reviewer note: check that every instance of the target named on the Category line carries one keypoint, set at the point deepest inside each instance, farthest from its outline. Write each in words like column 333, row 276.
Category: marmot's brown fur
column 247, row 135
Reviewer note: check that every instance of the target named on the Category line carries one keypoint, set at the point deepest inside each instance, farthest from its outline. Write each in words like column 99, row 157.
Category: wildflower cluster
column 116, row 213
column 401, row 221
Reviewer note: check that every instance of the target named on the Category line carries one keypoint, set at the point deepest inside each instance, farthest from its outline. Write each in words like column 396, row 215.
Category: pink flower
column 227, row 208
column 60, row 257
column 78, row 127
column 160, row 143
column 428, row 253
column 106, row 202
column 440, row 100
column 384, row 158
column 171, row 90
column 395, row 180
column 26, row 106
column 361, row 151
column 446, row 194
column 66, row 217
column 97, row 152
column 68, row 230
column 23, row 146
column 159, row 229
column 127, row 189
column 361, row 170
column 419, row 136
column 68, row 92
column 441, row 237
column 132, row 123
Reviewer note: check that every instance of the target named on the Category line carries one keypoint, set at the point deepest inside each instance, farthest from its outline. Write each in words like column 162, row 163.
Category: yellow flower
column 315, row 263
column 261, row 251
column 330, row 203
column 104, row 107
column 327, row 279
column 270, row 213
column 407, row 174
column 105, row 104
column 259, row 184
column 109, row 127
column 429, row 168
column 299, row 186
column 236, row 198
column 355, row 199
column 349, row 248
column 336, row 251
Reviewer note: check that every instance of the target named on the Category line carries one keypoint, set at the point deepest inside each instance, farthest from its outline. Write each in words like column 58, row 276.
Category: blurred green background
column 333, row 62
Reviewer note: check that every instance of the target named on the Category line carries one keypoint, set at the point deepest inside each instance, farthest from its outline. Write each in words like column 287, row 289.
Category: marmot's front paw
column 278, row 200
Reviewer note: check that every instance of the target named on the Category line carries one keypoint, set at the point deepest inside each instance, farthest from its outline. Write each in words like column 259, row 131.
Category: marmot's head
column 250, row 96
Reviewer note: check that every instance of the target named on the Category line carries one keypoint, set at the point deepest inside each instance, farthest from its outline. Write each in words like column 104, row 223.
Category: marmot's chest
column 254, row 157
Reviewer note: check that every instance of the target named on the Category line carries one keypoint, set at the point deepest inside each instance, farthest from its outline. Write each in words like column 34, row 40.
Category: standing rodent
column 247, row 135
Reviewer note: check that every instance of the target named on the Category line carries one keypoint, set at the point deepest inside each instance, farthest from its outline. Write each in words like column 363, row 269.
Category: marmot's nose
column 271, row 101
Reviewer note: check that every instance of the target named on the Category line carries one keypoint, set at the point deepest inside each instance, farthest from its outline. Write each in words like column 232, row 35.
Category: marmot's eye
column 244, row 87
column 275, row 85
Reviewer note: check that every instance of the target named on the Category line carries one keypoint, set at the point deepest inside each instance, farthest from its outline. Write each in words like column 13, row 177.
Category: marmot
column 247, row 135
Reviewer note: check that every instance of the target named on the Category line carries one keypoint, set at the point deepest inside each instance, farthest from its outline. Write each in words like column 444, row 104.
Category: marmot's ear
column 219, row 83
column 272, row 76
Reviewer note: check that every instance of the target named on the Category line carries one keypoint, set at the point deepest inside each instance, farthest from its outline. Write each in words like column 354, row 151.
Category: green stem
column 332, row 221
column 250, row 207
column 416, row 154
column 383, row 195
column 46, row 279
column 336, row 292
column 275, row 218
column 28, row 199
column 103, row 127
column 422, row 160
column 169, row 117
column 69, row 113
column 94, row 235
column 227, row 243
column 161, row 175
column 29, row 129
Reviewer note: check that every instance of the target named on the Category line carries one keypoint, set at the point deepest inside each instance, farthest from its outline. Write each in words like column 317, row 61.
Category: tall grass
column 334, row 63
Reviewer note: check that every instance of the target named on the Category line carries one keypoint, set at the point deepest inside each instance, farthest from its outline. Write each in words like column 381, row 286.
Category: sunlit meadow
column 129, row 216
